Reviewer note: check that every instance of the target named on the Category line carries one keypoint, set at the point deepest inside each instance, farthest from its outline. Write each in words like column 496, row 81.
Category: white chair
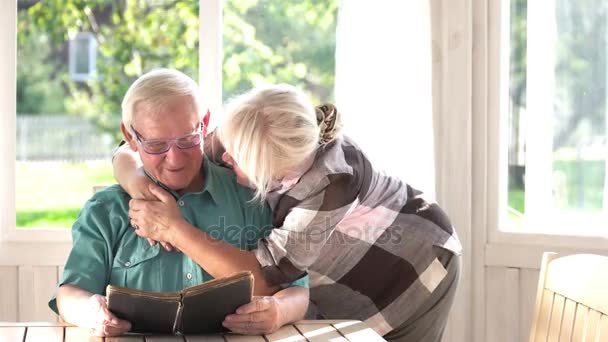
column 572, row 299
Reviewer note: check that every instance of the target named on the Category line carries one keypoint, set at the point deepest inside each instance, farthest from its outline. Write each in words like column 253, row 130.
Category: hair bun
column 329, row 121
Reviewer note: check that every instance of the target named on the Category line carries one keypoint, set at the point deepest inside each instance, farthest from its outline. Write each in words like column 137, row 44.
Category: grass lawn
column 50, row 194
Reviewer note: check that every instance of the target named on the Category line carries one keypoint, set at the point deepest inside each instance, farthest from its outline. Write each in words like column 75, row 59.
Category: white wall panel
column 8, row 294
column 36, row 284
column 502, row 304
column 528, row 280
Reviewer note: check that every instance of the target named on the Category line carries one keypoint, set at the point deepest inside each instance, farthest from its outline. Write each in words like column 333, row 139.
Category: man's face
column 178, row 168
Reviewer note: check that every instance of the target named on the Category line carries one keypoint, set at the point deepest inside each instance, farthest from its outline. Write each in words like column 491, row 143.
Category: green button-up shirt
column 106, row 249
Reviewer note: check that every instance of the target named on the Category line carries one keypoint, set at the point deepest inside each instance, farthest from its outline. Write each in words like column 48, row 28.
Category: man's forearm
column 219, row 258
column 72, row 303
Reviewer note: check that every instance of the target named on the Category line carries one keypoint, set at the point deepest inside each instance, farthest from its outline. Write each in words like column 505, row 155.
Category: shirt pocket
column 136, row 265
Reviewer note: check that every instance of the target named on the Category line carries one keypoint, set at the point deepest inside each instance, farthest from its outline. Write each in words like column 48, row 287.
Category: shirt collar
column 209, row 181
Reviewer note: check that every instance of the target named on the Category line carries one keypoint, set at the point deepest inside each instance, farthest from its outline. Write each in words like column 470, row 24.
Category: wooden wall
column 25, row 292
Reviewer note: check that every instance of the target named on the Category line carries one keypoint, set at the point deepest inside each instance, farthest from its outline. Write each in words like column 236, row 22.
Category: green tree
column 264, row 42
column 39, row 86
column 269, row 41
column 580, row 71
column 580, row 83
column 133, row 37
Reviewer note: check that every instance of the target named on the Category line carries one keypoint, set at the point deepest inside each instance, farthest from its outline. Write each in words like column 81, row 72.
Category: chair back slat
column 603, row 329
column 555, row 322
column 593, row 322
column 580, row 323
column 565, row 333
column 544, row 315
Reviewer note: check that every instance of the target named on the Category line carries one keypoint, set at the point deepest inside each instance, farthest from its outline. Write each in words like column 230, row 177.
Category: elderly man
column 161, row 121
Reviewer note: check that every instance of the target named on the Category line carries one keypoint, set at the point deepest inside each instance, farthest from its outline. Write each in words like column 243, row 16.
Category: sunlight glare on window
column 557, row 136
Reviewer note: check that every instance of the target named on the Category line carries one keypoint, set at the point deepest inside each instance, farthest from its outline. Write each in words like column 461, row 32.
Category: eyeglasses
column 157, row 146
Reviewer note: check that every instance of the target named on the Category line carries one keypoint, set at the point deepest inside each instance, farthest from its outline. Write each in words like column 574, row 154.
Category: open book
column 196, row 310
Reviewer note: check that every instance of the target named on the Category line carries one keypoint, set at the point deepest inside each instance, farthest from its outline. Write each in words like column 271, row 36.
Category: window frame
column 501, row 242
column 13, row 240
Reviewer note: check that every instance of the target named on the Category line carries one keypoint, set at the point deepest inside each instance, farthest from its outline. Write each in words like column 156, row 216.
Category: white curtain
column 383, row 85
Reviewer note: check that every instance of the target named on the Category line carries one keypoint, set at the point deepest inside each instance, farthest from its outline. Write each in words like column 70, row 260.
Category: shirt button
column 189, row 275
column 128, row 263
column 181, row 203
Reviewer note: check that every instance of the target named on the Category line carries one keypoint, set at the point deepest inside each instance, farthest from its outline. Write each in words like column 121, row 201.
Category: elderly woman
column 374, row 248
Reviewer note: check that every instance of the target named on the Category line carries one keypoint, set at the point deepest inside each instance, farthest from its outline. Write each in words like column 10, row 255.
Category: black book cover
column 195, row 310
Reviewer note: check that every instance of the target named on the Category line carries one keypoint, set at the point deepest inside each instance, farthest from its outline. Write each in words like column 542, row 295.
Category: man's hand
column 102, row 321
column 262, row 316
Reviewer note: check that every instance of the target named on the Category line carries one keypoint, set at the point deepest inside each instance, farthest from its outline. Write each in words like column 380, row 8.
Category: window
column 83, row 56
column 75, row 61
column 557, row 117
column 66, row 126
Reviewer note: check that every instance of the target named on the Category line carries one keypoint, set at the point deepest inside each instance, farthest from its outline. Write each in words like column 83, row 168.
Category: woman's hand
column 129, row 172
column 262, row 316
column 138, row 186
column 102, row 321
column 154, row 219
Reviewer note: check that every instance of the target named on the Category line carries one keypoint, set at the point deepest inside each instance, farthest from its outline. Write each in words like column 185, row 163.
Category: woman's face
column 241, row 177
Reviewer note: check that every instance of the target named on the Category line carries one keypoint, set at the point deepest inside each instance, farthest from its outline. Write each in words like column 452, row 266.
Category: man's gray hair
column 155, row 87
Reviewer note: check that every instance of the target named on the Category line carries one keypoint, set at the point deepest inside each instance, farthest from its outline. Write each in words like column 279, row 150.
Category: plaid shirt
column 374, row 249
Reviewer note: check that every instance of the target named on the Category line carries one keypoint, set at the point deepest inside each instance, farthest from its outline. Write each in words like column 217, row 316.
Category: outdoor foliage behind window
column 272, row 41
column 558, row 129
column 77, row 58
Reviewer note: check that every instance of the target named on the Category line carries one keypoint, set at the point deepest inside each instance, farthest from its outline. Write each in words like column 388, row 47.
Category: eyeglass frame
column 170, row 142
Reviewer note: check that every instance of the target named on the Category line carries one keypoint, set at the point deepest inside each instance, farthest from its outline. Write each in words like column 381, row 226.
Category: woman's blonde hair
column 272, row 129
column 155, row 88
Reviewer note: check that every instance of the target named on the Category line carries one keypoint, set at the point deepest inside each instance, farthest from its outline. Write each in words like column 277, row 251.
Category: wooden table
column 334, row 330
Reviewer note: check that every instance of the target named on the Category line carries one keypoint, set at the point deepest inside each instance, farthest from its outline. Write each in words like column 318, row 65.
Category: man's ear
column 128, row 137
column 206, row 122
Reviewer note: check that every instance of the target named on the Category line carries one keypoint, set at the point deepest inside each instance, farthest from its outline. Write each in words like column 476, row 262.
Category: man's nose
column 175, row 154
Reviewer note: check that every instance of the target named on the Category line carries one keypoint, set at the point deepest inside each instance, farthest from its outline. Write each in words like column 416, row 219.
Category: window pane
column 75, row 61
column 82, row 56
column 272, row 41
column 558, row 131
